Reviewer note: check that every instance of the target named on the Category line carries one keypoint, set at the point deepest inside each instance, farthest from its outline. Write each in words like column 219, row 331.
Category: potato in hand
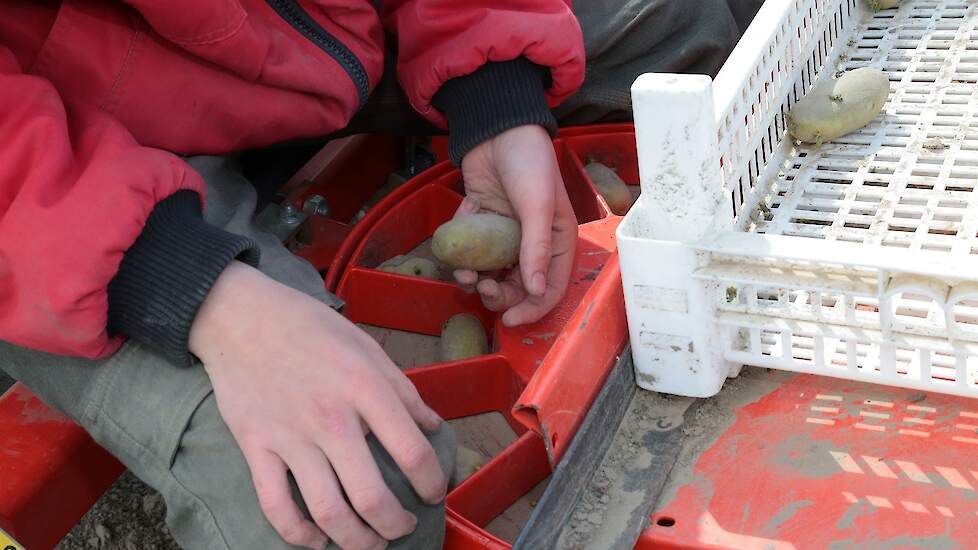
column 478, row 242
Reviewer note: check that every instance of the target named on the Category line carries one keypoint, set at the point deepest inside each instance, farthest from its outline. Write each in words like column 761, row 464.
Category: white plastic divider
column 856, row 259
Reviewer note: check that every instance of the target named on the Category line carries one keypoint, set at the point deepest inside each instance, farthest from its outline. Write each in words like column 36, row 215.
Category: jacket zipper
column 300, row 20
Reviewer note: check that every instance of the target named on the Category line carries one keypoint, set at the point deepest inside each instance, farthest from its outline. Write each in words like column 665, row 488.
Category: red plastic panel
column 470, row 387
column 51, row 472
column 561, row 360
column 574, row 370
column 825, row 463
column 326, row 238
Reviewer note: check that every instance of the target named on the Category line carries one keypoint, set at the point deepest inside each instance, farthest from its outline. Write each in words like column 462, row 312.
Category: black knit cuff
column 496, row 97
column 166, row 274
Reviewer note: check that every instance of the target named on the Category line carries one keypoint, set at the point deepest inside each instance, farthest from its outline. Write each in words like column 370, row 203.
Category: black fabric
column 496, row 97
column 626, row 38
column 268, row 168
column 744, row 11
column 166, row 274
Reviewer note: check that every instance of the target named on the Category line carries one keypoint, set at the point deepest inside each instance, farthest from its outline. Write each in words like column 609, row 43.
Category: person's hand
column 515, row 174
column 299, row 386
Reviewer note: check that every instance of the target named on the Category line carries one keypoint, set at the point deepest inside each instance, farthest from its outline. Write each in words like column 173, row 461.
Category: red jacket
column 96, row 96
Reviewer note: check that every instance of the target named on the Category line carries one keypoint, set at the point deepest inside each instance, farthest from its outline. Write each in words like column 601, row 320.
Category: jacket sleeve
column 439, row 40
column 481, row 67
column 78, row 199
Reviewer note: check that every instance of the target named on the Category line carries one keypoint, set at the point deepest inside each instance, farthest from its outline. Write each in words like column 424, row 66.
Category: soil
column 605, row 506
column 130, row 516
column 608, row 502
column 406, row 349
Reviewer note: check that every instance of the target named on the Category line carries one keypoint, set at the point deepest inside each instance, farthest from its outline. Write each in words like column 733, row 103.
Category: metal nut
column 315, row 205
column 289, row 214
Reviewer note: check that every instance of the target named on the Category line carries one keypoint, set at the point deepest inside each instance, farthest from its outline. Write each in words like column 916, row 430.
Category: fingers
column 404, row 388
column 410, row 449
column 275, row 499
column 466, row 277
column 324, row 499
column 536, row 218
column 469, row 205
column 343, row 442
column 416, row 407
column 564, row 242
column 501, row 295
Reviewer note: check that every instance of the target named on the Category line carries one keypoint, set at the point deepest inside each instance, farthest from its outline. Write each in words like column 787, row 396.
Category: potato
column 462, row 337
column 614, row 191
column 838, row 107
column 480, row 242
column 877, row 5
column 467, row 462
column 407, row 265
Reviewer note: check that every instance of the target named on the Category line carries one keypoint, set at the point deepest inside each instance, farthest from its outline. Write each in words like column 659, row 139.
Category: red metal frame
column 51, row 472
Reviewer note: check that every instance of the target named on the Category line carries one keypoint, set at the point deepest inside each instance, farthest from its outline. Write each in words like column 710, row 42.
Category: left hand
column 515, row 174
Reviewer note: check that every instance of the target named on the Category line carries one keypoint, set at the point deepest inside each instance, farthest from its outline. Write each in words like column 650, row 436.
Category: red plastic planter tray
column 541, row 377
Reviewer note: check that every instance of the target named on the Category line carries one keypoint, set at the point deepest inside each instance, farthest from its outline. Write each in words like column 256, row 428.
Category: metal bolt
column 315, row 205
column 289, row 214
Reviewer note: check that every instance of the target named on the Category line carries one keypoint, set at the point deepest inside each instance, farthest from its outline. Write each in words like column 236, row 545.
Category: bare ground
column 130, row 516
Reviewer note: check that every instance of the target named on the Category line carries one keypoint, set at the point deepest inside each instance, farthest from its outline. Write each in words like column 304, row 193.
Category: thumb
column 469, row 205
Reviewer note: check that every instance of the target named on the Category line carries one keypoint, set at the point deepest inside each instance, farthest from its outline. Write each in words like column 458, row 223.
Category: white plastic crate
column 856, row 259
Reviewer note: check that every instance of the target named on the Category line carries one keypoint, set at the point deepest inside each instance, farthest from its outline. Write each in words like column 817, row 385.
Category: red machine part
column 826, row 463
column 541, row 377
column 51, row 472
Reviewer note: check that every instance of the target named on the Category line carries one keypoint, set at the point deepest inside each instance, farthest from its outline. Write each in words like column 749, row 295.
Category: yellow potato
column 467, row 462
column 415, row 267
column 614, row 191
column 462, row 337
column 480, row 242
column 877, row 5
column 838, row 107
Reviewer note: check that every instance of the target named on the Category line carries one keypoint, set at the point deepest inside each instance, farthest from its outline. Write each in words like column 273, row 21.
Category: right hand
column 299, row 386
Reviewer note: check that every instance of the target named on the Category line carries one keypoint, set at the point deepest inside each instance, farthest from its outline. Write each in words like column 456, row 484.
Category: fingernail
column 471, row 202
column 539, row 284
column 443, row 493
